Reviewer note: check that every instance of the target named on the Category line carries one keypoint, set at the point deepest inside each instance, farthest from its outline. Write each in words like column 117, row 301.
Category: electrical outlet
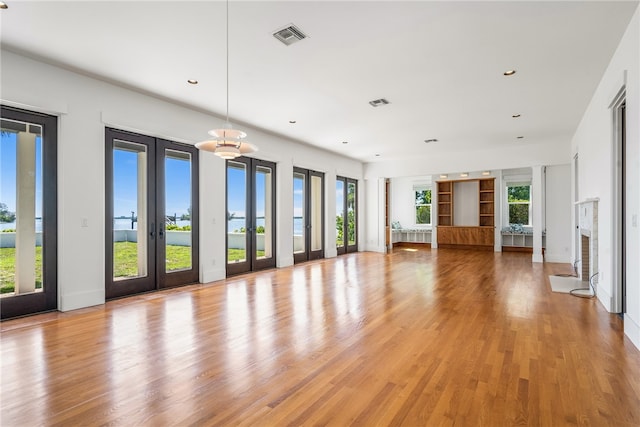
column 84, row 222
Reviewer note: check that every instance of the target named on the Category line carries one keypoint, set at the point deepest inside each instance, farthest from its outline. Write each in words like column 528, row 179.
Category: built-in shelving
column 519, row 241
column 466, row 231
column 487, row 202
column 411, row 236
column 445, row 203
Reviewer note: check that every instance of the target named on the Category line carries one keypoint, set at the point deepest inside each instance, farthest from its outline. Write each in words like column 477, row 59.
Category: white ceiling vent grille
column 378, row 102
column 289, row 35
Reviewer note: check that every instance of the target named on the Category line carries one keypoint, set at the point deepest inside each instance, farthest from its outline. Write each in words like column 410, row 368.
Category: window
column 519, row 201
column 423, row 207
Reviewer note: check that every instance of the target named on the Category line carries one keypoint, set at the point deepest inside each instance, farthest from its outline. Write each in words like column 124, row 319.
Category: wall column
column 25, row 279
column 537, row 212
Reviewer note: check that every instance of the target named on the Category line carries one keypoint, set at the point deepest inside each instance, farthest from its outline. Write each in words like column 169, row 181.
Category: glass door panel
column 27, row 213
column 316, row 212
column 250, row 215
column 299, row 220
column 308, row 220
column 340, row 208
column 351, row 214
column 177, row 254
column 21, row 208
column 236, row 212
column 263, row 213
column 346, row 215
column 177, row 207
column 130, row 214
column 152, row 208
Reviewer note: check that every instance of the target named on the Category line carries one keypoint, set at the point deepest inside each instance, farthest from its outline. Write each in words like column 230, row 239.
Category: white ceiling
column 440, row 65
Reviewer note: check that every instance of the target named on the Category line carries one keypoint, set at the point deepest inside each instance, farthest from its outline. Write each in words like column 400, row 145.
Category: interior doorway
column 620, row 205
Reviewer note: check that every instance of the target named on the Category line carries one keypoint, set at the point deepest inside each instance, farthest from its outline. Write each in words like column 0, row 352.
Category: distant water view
column 12, row 225
column 125, row 224
column 238, row 223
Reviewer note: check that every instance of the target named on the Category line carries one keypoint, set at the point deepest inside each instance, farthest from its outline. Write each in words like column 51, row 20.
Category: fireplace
column 588, row 225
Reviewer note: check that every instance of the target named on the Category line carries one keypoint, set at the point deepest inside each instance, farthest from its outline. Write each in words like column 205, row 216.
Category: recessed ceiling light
column 292, row 122
column 464, row 174
column 444, row 175
column 521, row 137
column 430, row 140
column 509, row 72
column 3, row 5
column 192, row 81
column 345, row 142
column 515, row 116
column 486, row 173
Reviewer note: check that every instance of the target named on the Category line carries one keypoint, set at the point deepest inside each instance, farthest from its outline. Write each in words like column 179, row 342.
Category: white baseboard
column 76, row 300
column 561, row 258
column 212, row 275
column 375, row 248
column 284, row 261
column 632, row 330
column 603, row 296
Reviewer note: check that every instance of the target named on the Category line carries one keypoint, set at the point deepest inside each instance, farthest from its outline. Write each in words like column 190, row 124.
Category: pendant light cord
column 227, row 35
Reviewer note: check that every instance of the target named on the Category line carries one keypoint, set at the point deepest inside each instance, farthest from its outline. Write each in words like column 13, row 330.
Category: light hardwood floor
column 416, row 338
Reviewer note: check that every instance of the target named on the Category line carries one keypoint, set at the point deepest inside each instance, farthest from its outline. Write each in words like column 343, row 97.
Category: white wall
column 466, row 203
column 593, row 141
column 547, row 152
column 85, row 106
column 559, row 207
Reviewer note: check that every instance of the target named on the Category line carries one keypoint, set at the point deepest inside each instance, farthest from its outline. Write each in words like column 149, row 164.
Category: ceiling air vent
column 289, row 35
column 378, row 102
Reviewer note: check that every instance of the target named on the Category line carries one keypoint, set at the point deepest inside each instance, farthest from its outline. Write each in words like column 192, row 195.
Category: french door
column 250, row 215
column 308, row 215
column 152, row 214
column 28, row 209
column 346, row 215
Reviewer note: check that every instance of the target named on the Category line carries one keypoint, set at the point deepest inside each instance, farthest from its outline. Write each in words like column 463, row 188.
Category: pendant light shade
column 227, row 142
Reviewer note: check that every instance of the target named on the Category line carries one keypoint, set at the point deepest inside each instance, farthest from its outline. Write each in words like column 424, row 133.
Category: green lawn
column 125, row 262
column 8, row 269
column 234, row 255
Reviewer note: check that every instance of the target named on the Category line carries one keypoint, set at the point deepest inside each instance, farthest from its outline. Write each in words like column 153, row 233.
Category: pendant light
column 227, row 142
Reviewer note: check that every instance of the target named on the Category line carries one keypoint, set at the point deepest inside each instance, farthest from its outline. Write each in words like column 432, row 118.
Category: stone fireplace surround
column 588, row 225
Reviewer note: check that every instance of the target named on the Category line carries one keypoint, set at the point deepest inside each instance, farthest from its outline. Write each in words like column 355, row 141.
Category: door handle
column 160, row 232
column 152, row 233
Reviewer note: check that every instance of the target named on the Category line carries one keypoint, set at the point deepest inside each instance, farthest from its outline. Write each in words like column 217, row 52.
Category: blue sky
column 177, row 184
column 237, row 191
column 8, row 172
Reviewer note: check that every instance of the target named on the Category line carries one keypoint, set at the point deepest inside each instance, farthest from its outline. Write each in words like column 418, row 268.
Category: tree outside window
column 519, row 199
column 423, row 207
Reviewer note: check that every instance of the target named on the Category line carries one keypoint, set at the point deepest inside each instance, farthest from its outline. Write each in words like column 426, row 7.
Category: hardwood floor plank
column 417, row 337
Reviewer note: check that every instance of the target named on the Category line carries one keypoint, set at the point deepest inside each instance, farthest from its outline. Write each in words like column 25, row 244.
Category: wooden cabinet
column 465, row 233
column 466, row 237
